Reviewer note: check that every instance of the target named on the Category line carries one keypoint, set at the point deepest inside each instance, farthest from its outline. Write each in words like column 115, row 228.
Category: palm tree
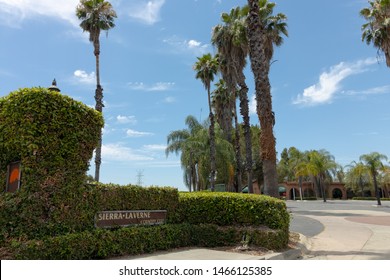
column 206, row 68
column 358, row 175
column 194, row 145
column 264, row 31
column 385, row 180
column 179, row 141
column 321, row 165
column 377, row 28
column 223, row 103
column 232, row 45
column 96, row 15
column 373, row 161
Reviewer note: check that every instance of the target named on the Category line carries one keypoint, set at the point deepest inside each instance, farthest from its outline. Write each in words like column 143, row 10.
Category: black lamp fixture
column 54, row 87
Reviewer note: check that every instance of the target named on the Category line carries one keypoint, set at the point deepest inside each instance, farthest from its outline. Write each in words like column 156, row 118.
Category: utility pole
column 140, row 175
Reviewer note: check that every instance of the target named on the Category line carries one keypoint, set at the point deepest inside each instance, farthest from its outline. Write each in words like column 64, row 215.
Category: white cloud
column 252, row 105
column 85, row 78
column 134, row 133
column 370, row 91
column 169, row 99
column 147, row 11
column 155, row 147
column 160, row 86
column 14, row 12
column 182, row 46
column 330, row 81
column 126, row 119
column 118, row 152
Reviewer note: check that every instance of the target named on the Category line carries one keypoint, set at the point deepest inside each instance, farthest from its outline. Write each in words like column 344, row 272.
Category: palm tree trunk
column 300, row 186
column 361, row 185
column 377, row 194
column 260, row 68
column 322, row 187
column 99, row 107
column 237, row 146
column 212, row 145
column 244, row 110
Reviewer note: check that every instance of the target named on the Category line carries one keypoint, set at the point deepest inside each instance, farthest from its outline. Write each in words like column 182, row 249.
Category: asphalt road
column 311, row 227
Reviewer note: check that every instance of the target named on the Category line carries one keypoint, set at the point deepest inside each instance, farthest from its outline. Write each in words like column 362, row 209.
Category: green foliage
column 52, row 134
column 54, row 137
column 369, row 198
column 73, row 210
column 227, row 209
column 103, row 244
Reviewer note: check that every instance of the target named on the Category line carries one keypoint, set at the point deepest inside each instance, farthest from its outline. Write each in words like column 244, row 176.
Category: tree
column 96, row 15
column 194, row 145
column 231, row 41
column 374, row 163
column 264, row 31
column 377, row 28
column 206, row 68
column 357, row 176
column 320, row 166
column 179, row 141
column 223, row 102
column 385, row 179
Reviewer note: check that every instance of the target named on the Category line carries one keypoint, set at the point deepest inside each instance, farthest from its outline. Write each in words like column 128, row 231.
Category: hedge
column 103, row 244
column 75, row 211
column 370, row 198
column 232, row 209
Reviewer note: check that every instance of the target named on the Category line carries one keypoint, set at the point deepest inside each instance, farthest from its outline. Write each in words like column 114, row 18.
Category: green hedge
column 226, row 209
column 369, row 198
column 103, row 244
column 53, row 136
column 50, row 133
column 22, row 216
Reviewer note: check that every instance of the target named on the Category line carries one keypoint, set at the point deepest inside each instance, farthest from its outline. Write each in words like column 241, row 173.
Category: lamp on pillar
column 54, row 87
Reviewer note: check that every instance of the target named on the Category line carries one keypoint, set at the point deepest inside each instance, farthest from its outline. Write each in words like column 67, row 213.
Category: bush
column 103, row 244
column 75, row 211
column 53, row 136
column 369, row 198
column 226, row 209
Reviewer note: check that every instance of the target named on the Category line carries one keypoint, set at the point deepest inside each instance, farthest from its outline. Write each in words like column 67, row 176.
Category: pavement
column 335, row 230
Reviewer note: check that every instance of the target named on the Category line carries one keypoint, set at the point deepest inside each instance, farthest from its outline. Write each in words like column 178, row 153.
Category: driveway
column 341, row 229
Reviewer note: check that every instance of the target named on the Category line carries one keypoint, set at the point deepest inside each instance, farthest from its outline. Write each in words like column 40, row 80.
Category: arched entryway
column 294, row 194
column 337, row 193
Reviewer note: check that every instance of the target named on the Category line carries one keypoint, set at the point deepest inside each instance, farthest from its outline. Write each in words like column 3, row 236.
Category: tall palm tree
column 231, row 41
column 96, row 15
column 374, row 162
column 223, row 103
column 206, row 68
column 264, row 31
column 377, row 28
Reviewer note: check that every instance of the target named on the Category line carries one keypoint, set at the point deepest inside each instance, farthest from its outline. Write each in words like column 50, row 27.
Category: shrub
column 53, row 136
column 103, row 244
column 232, row 209
column 369, row 198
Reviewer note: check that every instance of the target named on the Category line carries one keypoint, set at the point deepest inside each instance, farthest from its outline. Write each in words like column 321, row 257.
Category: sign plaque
column 109, row 219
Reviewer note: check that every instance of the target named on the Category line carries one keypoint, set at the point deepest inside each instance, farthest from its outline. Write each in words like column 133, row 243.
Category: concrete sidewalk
column 213, row 254
column 351, row 235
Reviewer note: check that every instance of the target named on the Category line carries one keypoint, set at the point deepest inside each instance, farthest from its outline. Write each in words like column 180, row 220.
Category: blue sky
column 330, row 90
